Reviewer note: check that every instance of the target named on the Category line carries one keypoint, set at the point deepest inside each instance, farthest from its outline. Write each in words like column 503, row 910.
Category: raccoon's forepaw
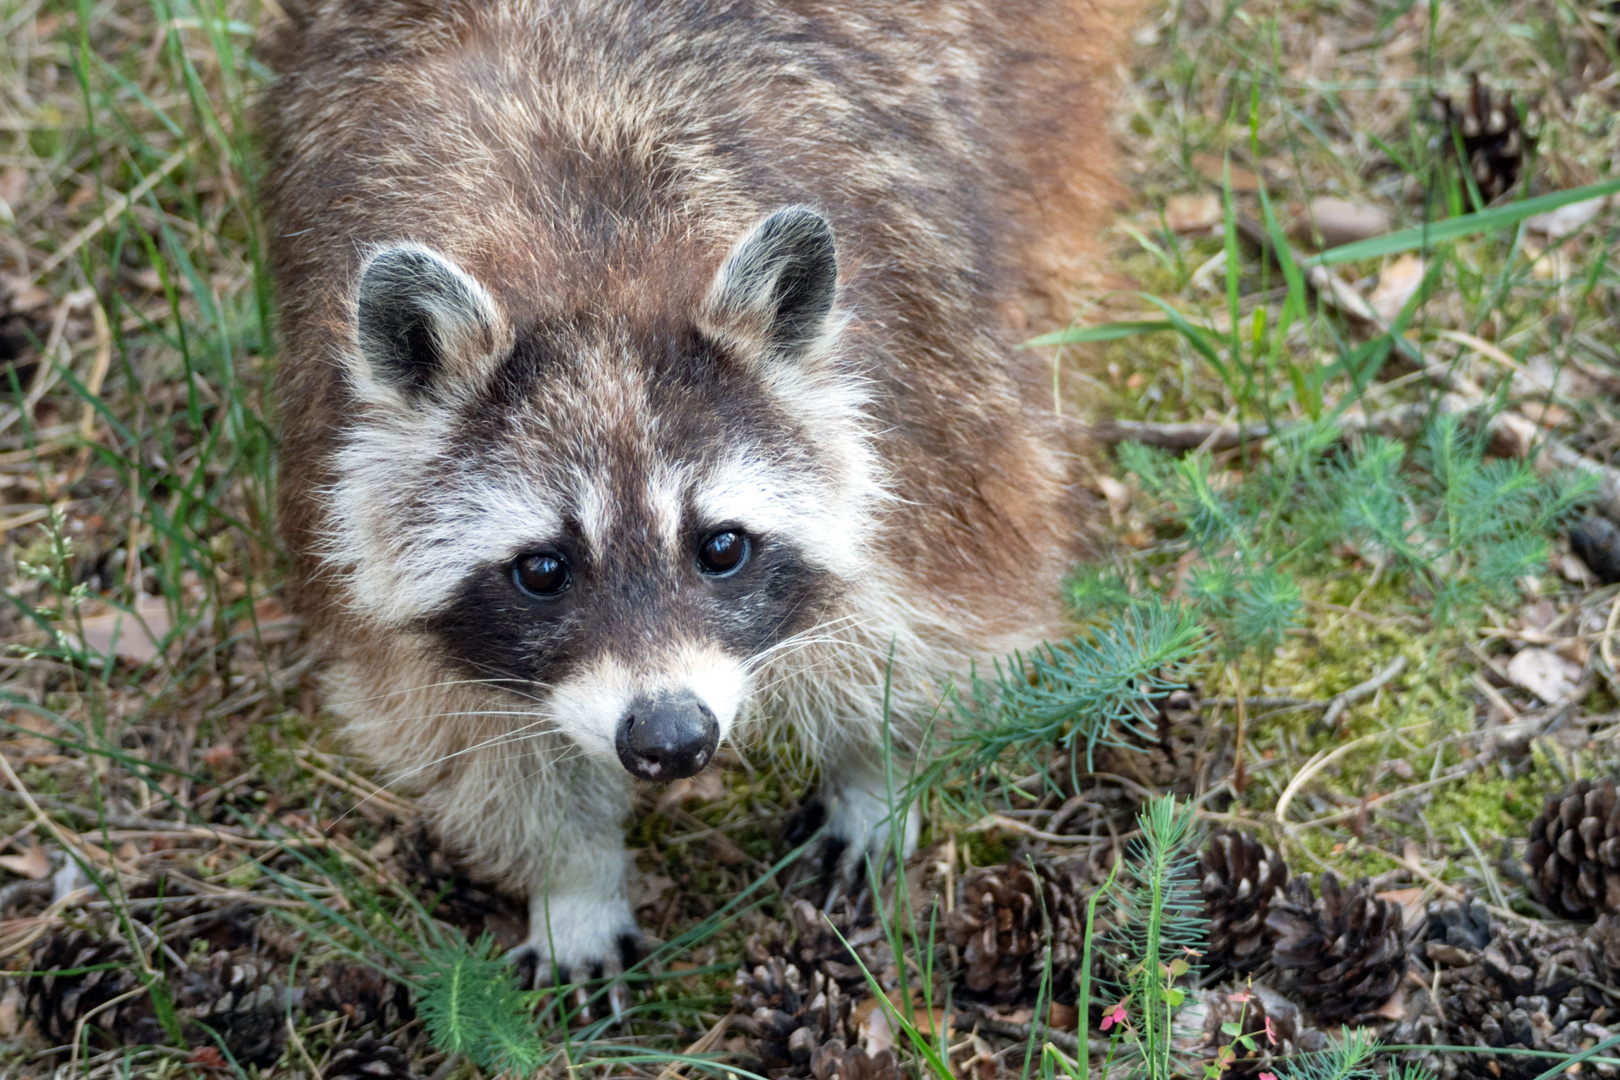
column 585, row 942
column 860, row 837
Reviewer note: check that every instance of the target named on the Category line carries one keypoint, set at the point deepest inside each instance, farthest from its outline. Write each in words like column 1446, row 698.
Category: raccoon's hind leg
column 862, row 816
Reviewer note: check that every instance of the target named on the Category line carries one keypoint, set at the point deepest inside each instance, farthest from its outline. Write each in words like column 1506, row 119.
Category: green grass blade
column 1108, row 331
column 1455, row 228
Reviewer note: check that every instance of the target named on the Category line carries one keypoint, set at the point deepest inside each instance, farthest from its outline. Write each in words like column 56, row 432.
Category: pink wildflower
column 1271, row 1032
column 1116, row 1015
column 1268, row 1076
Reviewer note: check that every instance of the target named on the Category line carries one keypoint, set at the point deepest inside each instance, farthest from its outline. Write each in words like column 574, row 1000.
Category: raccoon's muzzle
column 667, row 737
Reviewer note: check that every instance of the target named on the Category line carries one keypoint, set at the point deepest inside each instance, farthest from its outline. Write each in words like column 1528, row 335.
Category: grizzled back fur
column 600, row 278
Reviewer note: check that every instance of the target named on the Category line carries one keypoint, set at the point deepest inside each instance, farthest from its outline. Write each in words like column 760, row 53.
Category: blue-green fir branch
column 1092, row 690
column 469, row 1000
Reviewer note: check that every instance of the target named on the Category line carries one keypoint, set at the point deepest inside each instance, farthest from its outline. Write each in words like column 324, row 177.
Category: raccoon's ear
column 776, row 288
column 423, row 322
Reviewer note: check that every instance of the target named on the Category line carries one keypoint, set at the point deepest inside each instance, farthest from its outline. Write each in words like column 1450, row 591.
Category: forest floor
column 1401, row 656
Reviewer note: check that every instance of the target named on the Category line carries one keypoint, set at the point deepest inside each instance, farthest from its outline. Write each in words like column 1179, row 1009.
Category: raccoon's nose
column 667, row 737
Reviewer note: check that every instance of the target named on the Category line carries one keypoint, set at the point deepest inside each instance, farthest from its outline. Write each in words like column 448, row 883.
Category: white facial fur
column 413, row 516
column 589, row 705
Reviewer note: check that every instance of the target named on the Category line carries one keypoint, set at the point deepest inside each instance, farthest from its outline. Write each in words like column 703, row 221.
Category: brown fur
column 577, row 170
column 1011, row 97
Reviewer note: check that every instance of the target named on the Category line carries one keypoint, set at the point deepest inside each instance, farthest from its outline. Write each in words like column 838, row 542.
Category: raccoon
column 649, row 373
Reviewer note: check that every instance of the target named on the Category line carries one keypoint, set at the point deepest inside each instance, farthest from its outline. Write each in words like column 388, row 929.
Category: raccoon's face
column 611, row 525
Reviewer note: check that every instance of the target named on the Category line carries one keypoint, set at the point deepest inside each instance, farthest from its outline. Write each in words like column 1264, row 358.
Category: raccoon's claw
column 537, row 971
column 857, row 844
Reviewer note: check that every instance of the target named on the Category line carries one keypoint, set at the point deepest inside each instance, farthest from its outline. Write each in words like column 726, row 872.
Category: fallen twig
column 1060, row 1039
column 1398, row 420
column 1336, row 708
column 1173, row 436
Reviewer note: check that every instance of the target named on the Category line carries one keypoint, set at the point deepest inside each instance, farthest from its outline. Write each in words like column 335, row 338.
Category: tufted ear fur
column 775, row 291
column 424, row 324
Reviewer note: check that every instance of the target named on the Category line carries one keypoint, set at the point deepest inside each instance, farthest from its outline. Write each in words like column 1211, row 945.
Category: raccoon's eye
column 541, row 574
column 722, row 552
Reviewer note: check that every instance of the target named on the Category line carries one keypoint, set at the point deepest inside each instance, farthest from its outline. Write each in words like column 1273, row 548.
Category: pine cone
column 1493, row 138
column 1166, row 763
column 368, row 1058
column 791, row 1012
column 1452, row 926
column 1340, row 956
column 833, row 1061
column 1239, row 875
column 1000, row 923
column 1529, row 990
column 236, row 998
column 56, row 1002
column 1250, row 1007
column 363, row 994
column 1605, row 937
column 810, row 943
column 1574, row 851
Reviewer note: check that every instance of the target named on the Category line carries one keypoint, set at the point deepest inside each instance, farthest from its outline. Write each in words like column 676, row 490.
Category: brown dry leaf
column 1544, row 673
column 128, row 851
column 19, row 294
column 1396, row 284
column 208, row 1057
column 929, row 1022
column 1545, row 414
column 1211, row 167
column 32, row 864
column 706, row 786
column 29, row 746
column 872, row 1021
column 1011, row 1014
column 275, row 623
column 1340, row 221
column 10, row 1003
column 1192, row 213
column 1063, row 1017
column 1118, row 497
column 13, row 184
column 134, row 637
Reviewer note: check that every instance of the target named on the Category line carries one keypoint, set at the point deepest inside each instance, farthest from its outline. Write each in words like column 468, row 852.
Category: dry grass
column 164, row 735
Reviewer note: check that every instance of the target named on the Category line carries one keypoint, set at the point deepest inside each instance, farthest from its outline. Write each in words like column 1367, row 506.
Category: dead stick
column 1398, row 420
column 1337, row 707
